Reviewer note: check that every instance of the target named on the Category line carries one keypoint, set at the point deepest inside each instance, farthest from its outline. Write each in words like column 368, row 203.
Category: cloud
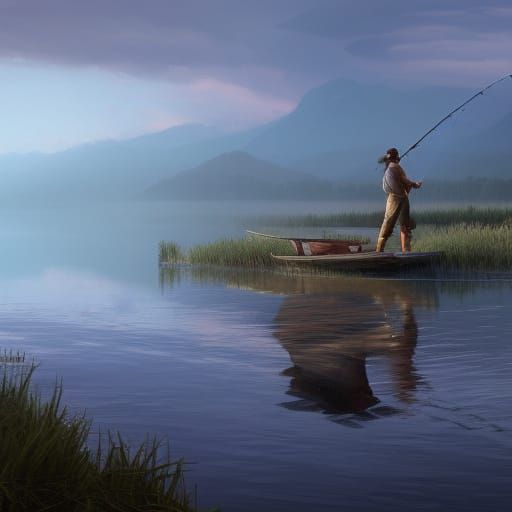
column 444, row 42
column 216, row 95
column 275, row 48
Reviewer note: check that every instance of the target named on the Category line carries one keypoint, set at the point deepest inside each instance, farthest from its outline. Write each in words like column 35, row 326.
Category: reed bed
column 247, row 252
column 443, row 217
column 469, row 246
column 46, row 463
column 170, row 252
column 11, row 357
column 250, row 252
column 465, row 246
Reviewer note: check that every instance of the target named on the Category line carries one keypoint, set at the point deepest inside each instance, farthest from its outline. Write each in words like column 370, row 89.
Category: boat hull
column 317, row 246
column 323, row 247
column 362, row 261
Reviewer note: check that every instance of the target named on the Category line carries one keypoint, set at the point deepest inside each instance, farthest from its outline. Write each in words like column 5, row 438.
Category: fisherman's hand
column 417, row 184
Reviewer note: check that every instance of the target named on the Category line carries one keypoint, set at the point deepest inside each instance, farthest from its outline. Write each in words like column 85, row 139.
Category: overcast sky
column 74, row 71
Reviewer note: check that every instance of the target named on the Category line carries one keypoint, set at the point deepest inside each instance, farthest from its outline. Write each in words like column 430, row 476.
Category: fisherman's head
column 391, row 155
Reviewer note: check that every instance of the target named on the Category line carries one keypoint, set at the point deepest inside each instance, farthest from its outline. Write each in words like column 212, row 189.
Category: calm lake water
column 285, row 393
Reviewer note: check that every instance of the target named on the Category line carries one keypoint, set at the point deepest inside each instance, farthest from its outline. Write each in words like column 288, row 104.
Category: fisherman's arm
column 407, row 183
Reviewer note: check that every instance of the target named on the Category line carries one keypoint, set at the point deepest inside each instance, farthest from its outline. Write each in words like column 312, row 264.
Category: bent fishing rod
column 445, row 118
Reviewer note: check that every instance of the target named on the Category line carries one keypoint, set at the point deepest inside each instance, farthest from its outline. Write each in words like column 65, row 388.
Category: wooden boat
column 348, row 255
column 366, row 260
column 318, row 246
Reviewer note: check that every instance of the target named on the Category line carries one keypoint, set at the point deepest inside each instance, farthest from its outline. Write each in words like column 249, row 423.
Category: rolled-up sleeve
column 406, row 182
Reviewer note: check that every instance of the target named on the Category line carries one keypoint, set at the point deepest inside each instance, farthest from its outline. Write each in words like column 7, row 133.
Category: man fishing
column 397, row 186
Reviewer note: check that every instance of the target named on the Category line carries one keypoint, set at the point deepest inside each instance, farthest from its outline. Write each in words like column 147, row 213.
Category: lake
column 283, row 392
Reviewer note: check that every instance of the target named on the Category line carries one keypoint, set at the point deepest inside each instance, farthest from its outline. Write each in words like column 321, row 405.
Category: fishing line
column 448, row 116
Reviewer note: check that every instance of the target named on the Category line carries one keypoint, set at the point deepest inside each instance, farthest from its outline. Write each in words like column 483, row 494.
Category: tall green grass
column 253, row 251
column 465, row 246
column 471, row 214
column 45, row 462
column 170, row 252
column 247, row 252
column 11, row 357
column 469, row 246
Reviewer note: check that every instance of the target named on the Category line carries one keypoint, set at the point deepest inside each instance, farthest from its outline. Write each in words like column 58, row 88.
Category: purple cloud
column 276, row 47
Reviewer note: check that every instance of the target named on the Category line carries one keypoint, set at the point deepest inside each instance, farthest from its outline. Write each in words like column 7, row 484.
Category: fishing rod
column 445, row 118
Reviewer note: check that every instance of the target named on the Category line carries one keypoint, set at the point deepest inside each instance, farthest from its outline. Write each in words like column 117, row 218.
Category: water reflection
column 332, row 326
column 330, row 336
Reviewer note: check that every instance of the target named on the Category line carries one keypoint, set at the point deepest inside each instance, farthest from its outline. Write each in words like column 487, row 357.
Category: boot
column 381, row 242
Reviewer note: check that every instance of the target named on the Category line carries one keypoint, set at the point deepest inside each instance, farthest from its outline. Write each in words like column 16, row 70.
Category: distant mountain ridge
column 105, row 170
column 336, row 133
column 235, row 175
column 342, row 115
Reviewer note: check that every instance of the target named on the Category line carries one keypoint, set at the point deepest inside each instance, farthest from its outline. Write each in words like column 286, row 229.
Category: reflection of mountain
column 330, row 326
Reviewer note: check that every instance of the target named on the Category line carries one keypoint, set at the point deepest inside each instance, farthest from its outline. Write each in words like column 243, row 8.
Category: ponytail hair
column 391, row 155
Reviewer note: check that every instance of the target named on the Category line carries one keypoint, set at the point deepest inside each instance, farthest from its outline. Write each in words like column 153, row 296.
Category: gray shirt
column 395, row 181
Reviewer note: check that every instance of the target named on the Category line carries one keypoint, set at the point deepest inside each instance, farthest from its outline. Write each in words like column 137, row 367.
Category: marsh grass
column 250, row 252
column 46, row 463
column 444, row 217
column 247, row 252
column 170, row 253
column 469, row 246
column 11, row 357
column 485, row 245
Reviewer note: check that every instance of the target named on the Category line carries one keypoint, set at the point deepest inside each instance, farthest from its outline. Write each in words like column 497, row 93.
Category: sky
column 74, row 72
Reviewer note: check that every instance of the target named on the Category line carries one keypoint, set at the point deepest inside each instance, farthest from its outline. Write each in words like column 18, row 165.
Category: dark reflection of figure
column 329, row 337
column 331, row 325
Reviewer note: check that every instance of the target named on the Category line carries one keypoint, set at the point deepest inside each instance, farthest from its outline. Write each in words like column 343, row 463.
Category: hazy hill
column 357, row 164
column 343, row 115
column 237, row 175
column 336, row 132
column 104, row 170
column 486, row 154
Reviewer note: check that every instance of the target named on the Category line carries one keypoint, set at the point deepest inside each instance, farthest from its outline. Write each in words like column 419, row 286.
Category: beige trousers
column 397, row 209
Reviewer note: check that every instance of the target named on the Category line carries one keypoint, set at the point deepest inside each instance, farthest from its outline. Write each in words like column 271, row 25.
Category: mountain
column 102, row 170
column 486, row 154
column 336, row 133
column 237, row 175
column 343, row 115
column 356, row 164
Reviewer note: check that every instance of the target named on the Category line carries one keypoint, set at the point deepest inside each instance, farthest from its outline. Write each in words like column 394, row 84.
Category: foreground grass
column 469, row 246
column 47, row 465
column 469, row 215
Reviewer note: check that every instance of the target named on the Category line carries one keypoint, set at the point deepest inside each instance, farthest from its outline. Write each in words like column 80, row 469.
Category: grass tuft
column 469, row 246
column 170, row 253
column 47, row 465
column 12, row 357
column 247, row 252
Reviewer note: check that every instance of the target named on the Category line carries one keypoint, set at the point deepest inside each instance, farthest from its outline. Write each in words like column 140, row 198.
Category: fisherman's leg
column 405, row 239
column 407, row 224
column 390, row 218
